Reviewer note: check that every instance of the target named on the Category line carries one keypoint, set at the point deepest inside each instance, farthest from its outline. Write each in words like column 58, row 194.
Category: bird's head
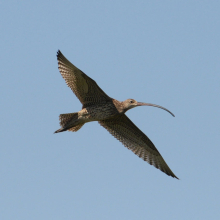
column 131, row 103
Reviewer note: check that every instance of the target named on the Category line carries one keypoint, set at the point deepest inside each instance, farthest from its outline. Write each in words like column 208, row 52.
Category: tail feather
column 76, row 128
column 66, row 120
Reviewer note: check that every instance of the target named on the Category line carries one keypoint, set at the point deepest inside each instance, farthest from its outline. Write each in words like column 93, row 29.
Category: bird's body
column 90, row 113
column 109, row 112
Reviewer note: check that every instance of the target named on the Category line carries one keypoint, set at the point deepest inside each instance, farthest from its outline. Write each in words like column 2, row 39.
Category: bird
column 110, row 114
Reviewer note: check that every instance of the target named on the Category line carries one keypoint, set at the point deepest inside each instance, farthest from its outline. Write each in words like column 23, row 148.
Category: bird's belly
column 97, row 113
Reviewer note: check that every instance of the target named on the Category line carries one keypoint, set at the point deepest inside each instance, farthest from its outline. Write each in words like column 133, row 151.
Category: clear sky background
column 162, row 52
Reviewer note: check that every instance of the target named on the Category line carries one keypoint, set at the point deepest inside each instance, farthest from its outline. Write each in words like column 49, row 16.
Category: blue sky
column 162, row 52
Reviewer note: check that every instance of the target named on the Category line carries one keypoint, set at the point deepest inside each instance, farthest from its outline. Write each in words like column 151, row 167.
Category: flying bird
column 109, row 112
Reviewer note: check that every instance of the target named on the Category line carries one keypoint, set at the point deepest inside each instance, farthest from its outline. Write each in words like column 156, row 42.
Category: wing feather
column 85, row 88
column 135, row 140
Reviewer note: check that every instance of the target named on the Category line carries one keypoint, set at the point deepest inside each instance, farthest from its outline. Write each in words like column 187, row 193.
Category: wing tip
column 59, row 54
column 170, row 173
column 174, row 176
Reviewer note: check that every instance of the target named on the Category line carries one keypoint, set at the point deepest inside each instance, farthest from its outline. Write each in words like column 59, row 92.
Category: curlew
column 109, row 112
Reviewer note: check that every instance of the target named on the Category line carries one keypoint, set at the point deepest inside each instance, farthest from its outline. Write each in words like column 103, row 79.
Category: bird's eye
column 131, row 101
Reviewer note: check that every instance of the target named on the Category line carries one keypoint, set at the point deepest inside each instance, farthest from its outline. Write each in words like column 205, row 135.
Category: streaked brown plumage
column 98, row 106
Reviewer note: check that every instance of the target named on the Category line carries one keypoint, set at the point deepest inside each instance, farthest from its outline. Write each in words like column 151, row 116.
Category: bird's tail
column 67, row 122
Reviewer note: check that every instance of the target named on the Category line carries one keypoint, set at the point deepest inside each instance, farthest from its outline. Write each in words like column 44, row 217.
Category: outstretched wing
column 134, row 139
column 85, row 88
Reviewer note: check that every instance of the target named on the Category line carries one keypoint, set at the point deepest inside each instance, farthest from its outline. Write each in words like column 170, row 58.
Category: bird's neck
column 119, row 106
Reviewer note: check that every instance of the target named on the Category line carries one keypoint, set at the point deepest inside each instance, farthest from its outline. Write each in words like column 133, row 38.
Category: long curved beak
column 158, row 106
